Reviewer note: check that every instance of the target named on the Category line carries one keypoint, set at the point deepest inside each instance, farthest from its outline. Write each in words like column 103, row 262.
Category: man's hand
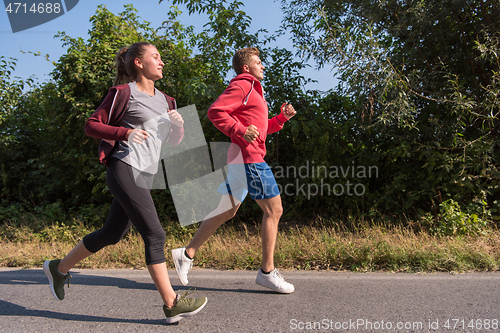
column 288, row 111
column 137, row 135
column 176, row 118
column 251, row 134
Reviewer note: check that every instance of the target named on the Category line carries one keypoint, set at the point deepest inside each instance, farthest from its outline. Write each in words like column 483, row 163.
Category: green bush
column 452, row 221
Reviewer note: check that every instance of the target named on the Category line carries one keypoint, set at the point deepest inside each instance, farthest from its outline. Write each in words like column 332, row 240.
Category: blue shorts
column 254, row 178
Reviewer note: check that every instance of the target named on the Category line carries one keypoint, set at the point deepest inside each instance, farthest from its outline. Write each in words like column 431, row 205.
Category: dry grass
column 127, row 253
column 306, row 248
column 376, row 248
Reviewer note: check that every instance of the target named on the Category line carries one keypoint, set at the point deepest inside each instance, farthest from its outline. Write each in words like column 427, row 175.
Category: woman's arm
column 98, row 125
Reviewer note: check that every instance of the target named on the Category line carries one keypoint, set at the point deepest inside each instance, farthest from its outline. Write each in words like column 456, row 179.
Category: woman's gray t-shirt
column 148, row 113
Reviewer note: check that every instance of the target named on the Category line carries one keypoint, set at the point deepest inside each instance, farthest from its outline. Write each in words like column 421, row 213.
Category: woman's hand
column 176, row 118
column 137, row 135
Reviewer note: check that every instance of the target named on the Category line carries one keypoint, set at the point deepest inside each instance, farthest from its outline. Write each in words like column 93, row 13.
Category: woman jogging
column 133, row 121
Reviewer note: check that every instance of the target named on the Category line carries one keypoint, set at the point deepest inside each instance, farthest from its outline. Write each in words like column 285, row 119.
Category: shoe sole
column 175, row 319
column 177, row 268
column 46, row 270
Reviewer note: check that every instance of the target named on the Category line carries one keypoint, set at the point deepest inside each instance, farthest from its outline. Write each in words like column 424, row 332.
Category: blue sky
column 265, row 14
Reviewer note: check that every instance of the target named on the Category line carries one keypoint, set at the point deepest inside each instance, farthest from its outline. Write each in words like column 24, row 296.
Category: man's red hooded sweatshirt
column 243, row 104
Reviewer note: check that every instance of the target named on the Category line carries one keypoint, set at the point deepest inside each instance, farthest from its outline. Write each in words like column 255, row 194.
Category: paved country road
column 125, row 300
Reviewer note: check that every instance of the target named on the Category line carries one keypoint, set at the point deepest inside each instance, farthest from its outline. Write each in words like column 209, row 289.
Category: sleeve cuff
column 281, row 119
column 122, row 134
column 240, row 130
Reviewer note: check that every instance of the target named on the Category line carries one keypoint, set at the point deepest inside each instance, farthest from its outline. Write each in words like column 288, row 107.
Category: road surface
column 126, row 300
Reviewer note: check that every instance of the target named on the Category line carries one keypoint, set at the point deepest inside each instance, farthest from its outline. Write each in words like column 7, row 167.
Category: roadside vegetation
column 395, row 169
column 365, row 245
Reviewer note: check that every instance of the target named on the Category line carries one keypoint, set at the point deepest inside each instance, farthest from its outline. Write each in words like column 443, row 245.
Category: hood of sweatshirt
column 255, row 85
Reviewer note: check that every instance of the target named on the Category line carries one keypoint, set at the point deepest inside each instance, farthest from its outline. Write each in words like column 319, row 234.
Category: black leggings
column 132, row 204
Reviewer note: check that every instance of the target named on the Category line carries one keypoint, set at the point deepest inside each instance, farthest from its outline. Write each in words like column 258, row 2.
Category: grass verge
column 316, row 247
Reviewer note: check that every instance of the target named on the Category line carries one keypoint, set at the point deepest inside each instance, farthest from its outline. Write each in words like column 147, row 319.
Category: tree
column 225, row 32
column 426, row 76
column 11, row 135
column 62, row 166
column 45, row 126
column 403, row 55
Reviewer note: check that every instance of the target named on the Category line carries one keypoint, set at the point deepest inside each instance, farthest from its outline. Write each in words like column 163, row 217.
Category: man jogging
column 241, row 113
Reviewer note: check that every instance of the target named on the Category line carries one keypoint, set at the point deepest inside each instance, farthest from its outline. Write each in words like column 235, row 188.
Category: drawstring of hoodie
column 248, row 96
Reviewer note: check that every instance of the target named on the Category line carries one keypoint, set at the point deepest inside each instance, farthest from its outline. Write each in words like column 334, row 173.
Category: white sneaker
column 182, row 264
column 274, row 281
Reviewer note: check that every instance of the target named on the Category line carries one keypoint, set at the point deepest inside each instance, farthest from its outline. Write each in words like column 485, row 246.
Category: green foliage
column 24, row 129
column 48, row 233
column 45, row 153
column 407, row 107
column 11, row 95
column 58, row 164
column 452, row 221
column 424, row 76
column 404, row 57
column 11, row 91
column 46, row 156
column 225, row 32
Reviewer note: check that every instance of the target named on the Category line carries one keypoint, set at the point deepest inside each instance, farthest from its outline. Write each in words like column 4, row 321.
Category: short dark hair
column 243, row 57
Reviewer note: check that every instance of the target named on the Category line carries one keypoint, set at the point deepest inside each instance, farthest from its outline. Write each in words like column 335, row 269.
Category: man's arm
column 219, row 112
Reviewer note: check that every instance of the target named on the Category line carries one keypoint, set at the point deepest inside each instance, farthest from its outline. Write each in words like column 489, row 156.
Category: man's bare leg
column 228, row 206
column 268, row 276
column 183, row 257
column 272, row 213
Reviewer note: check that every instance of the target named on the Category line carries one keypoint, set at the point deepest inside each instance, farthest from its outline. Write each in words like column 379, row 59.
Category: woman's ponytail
column 121, row 69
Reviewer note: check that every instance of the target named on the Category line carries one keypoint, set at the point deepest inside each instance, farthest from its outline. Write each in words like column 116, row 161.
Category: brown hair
column 125, row 66
column 243, row 57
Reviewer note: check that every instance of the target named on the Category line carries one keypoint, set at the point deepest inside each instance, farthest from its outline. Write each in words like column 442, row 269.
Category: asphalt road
column 127, row 301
